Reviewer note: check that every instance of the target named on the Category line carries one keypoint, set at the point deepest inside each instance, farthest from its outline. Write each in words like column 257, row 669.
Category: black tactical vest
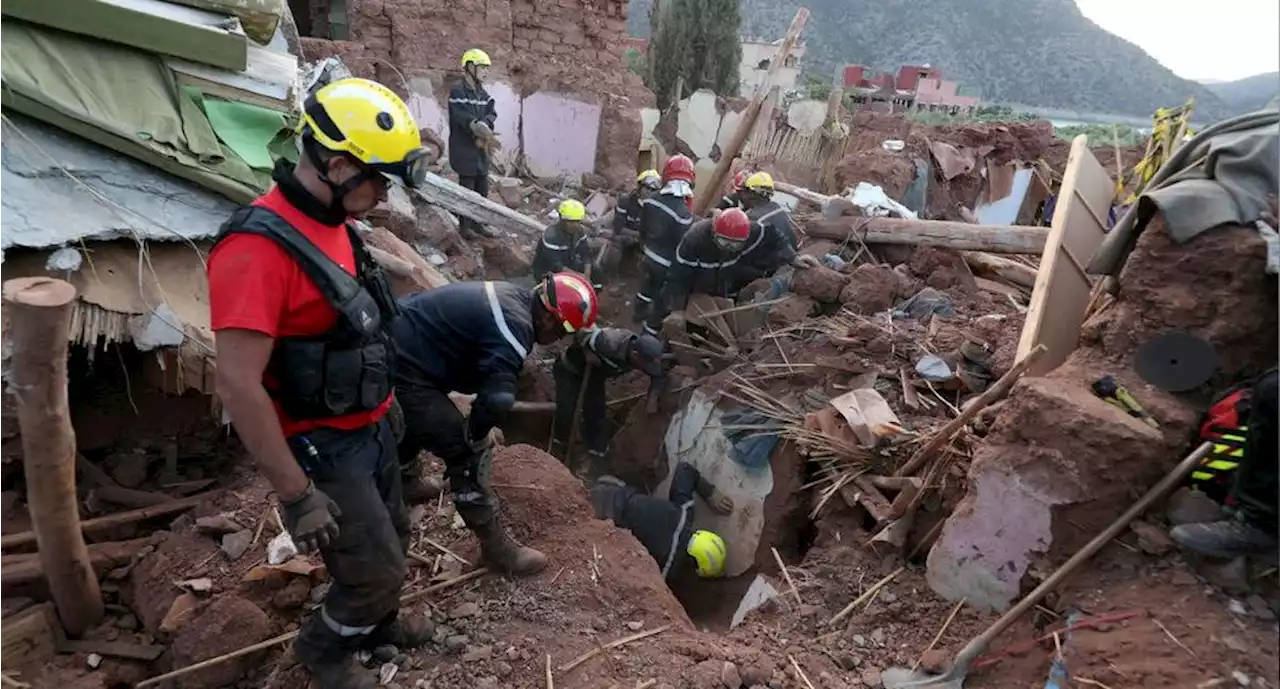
column 347, row 369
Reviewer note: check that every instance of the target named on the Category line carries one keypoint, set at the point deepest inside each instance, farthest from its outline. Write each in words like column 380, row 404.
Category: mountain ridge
column 1043, row 53
column 1249, row 93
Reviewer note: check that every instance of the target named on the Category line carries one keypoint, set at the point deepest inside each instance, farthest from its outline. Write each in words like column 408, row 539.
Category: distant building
column 914, row 86
column 757, row 57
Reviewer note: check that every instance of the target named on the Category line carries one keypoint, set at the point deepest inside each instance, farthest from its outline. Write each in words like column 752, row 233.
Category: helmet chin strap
column 338, row 192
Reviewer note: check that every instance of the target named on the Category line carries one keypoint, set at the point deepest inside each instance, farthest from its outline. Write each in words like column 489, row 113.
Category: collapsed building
column 853, row 547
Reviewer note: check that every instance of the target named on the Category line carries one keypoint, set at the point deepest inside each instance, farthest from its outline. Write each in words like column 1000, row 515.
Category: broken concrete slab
column 699, row 122
column 761, row 592
column 1056, row 469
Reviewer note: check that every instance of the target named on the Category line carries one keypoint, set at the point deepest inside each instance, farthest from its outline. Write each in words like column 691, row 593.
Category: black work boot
column 502, row 552
column 1226, row 539
column 559, row 450
column 327, row 655
column 404, row 631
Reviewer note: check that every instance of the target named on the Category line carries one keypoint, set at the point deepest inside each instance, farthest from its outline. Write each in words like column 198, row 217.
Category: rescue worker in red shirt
column 301, row 316
column 473, row 337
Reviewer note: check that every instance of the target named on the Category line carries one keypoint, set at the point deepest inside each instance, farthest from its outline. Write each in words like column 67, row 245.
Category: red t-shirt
column 255, row 285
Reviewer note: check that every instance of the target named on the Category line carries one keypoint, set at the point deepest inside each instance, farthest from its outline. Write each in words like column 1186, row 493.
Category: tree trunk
column 40, row 317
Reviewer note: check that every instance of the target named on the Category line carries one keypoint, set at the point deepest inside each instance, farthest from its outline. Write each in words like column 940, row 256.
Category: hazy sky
column 1223, row 39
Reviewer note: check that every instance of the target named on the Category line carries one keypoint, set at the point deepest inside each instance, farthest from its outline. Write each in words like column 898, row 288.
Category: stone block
column 1057, row 468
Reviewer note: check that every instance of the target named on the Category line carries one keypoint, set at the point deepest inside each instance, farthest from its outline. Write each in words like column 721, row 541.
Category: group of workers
column 335, row 387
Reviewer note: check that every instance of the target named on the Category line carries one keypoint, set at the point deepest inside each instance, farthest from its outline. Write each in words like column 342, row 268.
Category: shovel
column 953, row 678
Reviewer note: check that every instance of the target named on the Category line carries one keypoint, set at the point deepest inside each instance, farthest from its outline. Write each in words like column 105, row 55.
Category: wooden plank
column 269, row 78
column 1010, row 239
column 1062, row 289
column 29, row 639
column 711, row 190
column 14, row 540
column 258, row 18
column 20, row 571
column 154, row 26
column 462, row 201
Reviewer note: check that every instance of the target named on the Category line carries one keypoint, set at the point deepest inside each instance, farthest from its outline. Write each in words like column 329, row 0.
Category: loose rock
column 729, row 676
column 1186, row 506
column 822, row 284
column 456, row 642
column 234, row 544
column 872, row 288
column 293, row 595
column 93, row 661
column 871, row 677
column 935, row 661
column 129, row 469
column 478, row 654
column 217, row 526
column 1152, row 539
column 464, row 610
column 228, row 624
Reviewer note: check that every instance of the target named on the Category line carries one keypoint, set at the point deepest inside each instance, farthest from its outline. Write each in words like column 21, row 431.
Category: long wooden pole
column 40, row 314
column 712, row 188
column 1010, row 239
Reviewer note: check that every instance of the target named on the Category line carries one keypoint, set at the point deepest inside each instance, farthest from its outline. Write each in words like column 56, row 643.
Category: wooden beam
column 39, row 311
column 18, row 571
column 1001, row 267
column 1011, row 239
column 29, row 639
column 462, row 201
column 711, row 189
column 14, row 540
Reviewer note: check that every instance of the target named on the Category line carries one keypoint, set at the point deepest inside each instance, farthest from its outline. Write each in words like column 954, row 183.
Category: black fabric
column 569, row 383
column 701, row 267
column 663, row 221
column 434, row 424
column 657, row 523
column 772, row 215
column 728, row 201
column 1257, row 486
column 298, row 196
column 559, row 249
column 480, row 185
column 448, row 338
column 358, row 471
column 467, row 105
column 652, row 311
column 627, row 212
column 347, row 369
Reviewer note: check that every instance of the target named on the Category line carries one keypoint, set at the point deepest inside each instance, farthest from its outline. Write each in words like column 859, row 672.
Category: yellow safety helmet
column 475, row 56
column 709, row 551
column 369, row 122
column 759, row 182
column 570, row 209
column 649, row 178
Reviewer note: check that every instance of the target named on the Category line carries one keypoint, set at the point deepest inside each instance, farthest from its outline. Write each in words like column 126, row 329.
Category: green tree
column 693, row 44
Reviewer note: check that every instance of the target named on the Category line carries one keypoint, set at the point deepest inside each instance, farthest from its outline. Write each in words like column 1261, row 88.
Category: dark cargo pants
column 1256, row 481
column 568, row 387
column 649, row 307
column 358, row 471
column 480, row 185
column 433, row 423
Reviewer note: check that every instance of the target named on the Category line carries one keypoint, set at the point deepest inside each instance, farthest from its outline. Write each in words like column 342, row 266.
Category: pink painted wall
column 567, row 132
column 940, row 92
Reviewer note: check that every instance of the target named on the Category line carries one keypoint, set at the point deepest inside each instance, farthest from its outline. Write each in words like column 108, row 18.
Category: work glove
column 481, row 130
column 484, row 443
column 721, row 503
column 805, row 261
column 312, row 519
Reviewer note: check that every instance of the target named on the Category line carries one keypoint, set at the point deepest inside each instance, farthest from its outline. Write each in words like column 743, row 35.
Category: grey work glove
column 481, row 130
column 312, row 520
column 805, row 261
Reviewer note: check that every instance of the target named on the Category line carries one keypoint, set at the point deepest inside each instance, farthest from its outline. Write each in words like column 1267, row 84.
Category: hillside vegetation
column 1250, row 93
column 1038, row 52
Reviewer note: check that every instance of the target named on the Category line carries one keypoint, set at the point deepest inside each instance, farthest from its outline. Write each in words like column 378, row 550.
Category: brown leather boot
column 500, row 551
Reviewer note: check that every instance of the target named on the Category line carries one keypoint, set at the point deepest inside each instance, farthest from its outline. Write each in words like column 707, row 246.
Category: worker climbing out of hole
column 472, row 140
column 302, row 320
column 564, row 244
column 596, row 357
column 757, row 200
column 474, row 337
column 1251, row 500
column 734, row 198
column 626, row 220
column 665, row 527
column 722, row 255
column 664, row 220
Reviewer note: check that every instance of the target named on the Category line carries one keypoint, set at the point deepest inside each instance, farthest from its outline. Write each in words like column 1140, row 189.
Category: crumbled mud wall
column 570, row 47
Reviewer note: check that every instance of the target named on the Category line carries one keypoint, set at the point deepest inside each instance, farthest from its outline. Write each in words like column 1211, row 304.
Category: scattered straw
column 865, row 595
column 800, row 671
column 943, row 630
column 1173, row 638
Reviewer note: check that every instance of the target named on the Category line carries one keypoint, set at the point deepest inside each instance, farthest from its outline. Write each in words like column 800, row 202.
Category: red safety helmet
column 571, row 299
column 739, row 179
column 732, row 225
column 678, row 167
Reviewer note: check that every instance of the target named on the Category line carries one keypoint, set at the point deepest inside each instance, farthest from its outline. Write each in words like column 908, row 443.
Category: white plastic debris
column 159, row 328
column 65, row 259
column 934, row 369
column 281, row 549
column 875, row 203
column 387, row 672
column 894, row 145
column 94, row 660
